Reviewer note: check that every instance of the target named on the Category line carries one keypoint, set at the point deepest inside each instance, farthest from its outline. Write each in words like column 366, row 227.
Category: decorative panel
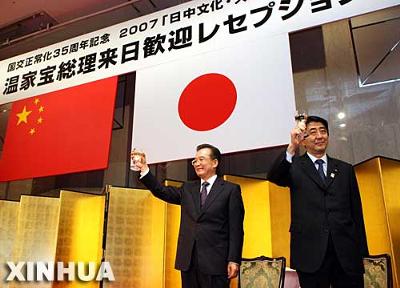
column 135, row 238
column 8, row 231
column 80, row 234
column 36, row 237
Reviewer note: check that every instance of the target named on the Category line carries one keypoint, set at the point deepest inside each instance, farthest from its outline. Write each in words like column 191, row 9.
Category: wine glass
column 137, row 156
column 301, row 118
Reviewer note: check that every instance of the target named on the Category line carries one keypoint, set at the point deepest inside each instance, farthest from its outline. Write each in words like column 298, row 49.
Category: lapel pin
column 333, row 175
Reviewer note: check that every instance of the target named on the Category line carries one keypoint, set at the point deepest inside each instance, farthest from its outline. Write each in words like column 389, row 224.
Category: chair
column 378, row 271
column 262, row 272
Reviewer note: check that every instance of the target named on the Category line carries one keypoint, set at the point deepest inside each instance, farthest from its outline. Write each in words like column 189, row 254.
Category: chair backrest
column 262, row 272
column 378, row 271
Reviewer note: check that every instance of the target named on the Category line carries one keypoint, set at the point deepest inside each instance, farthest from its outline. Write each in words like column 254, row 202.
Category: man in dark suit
column 211, row 230
column 328, row 237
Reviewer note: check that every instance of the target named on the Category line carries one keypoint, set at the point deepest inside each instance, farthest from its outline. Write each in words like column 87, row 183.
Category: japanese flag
column 237, row 98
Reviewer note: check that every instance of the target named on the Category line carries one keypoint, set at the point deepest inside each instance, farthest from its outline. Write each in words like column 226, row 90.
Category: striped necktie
column 321, row 173
column 203, row 193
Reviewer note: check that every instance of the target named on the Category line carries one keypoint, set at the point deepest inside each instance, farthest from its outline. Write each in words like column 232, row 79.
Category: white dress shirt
column 210, row 181
column 313, row 159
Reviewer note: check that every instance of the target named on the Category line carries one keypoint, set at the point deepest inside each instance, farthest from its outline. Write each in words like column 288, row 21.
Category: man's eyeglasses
column 199, row 160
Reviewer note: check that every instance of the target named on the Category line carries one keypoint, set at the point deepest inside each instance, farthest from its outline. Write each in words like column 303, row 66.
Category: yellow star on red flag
column 23, row 116
column 34, row 118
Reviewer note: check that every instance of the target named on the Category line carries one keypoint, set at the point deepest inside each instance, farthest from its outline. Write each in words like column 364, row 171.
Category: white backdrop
column 227, row 19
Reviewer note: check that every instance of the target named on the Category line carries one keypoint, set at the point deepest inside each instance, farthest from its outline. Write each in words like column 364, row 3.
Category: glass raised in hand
column 301, row 118
column 137, row 156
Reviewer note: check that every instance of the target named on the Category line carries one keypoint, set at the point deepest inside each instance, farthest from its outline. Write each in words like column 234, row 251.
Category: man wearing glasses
column 211, row 230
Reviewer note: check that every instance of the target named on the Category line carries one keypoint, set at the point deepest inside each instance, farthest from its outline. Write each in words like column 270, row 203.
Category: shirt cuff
column 144, row 173
column 289, row 157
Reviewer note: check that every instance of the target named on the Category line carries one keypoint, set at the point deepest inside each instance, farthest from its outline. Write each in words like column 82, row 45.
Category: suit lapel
column 196, row 195
column 214, row 193
column 332, row 171
column 311, row 171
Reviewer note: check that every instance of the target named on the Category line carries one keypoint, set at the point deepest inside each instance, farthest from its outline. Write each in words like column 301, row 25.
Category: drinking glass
column 137, row 156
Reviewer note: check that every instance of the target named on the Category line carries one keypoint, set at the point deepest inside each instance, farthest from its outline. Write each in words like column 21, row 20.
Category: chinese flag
column 60, row 132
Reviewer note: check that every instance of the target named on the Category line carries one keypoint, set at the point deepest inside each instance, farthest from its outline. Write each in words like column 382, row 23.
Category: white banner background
column 11, row 86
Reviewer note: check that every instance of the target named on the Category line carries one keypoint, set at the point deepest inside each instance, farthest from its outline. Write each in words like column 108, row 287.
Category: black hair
column 318, row 120
column 215, row 153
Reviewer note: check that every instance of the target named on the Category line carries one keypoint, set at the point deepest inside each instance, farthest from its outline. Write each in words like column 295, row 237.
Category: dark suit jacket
column 319, row 209
column 216, row 229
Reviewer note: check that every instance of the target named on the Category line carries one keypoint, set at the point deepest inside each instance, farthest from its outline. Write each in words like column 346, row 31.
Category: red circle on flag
column 207, row 102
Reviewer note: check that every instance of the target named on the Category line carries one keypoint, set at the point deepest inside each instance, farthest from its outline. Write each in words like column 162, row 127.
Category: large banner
column 189, row 29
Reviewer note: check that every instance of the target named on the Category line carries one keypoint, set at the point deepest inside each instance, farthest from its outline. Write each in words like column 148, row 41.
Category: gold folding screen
column 257, row 223
column 142, row 231
column 80, row 232
column 378, row 181
column 267, row 217
column 8, row 230
column 135, row 238
column 172, row 276
column 391, row 189
column 42, row 229
column 36, row 237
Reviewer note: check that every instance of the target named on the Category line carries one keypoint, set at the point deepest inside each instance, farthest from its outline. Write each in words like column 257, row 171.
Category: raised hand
column 138, row 160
